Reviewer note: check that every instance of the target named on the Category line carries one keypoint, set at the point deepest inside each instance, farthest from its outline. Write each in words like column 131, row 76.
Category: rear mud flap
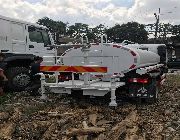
column 141, row 91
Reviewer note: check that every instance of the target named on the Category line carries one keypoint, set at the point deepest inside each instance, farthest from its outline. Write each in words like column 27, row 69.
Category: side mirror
column 31, row 28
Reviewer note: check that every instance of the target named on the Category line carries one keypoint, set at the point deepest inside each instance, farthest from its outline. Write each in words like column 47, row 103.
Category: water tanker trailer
column 105, row 68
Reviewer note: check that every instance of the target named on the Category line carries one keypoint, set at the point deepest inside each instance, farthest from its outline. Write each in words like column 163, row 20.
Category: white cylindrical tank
column 118, row 59
column 148, row 47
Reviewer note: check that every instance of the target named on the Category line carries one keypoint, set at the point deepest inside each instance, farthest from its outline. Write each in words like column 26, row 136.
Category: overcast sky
column 93, row 12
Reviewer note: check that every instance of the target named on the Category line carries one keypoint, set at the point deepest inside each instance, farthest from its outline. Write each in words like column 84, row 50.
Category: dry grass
column 173, row 80
column 156, row 121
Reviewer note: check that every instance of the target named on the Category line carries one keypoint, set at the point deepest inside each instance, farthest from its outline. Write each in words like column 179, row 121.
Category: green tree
column 163, row 32
column 78, row 30
column 131, row 31
column 176, row 33
column 176, row 30
column 57, row 28
column 99, row 30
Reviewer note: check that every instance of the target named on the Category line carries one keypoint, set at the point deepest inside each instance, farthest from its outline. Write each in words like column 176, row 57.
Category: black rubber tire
column 13, row 73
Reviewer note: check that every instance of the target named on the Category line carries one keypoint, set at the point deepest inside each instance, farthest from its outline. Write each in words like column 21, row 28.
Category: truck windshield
column 39, row 36
column 35, row 36
column 46, row 38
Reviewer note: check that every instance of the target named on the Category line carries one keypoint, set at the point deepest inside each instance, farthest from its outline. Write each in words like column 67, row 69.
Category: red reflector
column 99, row 76
column 64, row 77
column 61, row 77
column 116, row 46
column 133, row 66
column 133, row 53
column 138, row 80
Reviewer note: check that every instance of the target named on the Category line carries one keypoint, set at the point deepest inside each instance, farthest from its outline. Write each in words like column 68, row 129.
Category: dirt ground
column 24, row 117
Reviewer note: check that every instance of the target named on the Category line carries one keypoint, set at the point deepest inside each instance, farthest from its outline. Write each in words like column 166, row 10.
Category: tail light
column 64, row 77
column 138, row 80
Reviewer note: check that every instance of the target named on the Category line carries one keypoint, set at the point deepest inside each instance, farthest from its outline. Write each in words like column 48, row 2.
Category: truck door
column 38, row 42
column 5, row 41
column 18, row 37
column 35, row 41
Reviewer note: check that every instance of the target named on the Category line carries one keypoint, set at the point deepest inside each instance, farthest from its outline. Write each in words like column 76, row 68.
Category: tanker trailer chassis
column 99, row 80
column 144, row 86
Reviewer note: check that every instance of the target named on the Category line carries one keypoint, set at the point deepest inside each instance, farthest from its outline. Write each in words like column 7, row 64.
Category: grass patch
column 51, row 80
column 173, row 80
column 32, row 109
column 5, row 98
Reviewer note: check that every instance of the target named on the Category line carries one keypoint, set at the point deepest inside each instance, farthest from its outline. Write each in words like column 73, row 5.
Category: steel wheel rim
column 21, row 80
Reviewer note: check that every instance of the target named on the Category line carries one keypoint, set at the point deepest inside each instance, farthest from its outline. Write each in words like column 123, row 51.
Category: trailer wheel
column 18, row 78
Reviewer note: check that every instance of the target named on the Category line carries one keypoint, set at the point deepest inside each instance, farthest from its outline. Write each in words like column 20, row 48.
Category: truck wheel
column 18, row 78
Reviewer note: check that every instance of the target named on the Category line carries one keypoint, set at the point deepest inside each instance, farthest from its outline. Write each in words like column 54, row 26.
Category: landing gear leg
column 43, row 95
column 113, row 102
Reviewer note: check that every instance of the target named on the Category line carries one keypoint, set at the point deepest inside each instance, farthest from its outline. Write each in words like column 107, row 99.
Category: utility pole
column 157, row 23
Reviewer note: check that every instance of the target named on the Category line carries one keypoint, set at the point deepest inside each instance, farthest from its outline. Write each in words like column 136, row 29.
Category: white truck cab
column 22, row 37
column 21, row 41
